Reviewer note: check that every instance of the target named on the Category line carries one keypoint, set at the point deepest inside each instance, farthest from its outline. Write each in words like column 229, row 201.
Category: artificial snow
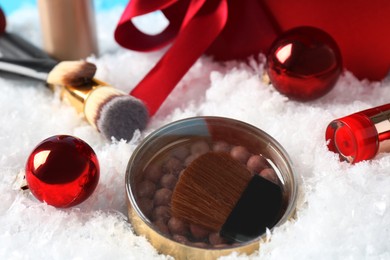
column 343, row 210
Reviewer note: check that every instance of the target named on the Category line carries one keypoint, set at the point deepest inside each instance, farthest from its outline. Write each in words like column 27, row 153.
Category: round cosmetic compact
column 204, row 187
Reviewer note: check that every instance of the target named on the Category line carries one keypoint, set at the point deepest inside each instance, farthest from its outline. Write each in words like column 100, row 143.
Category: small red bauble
column 304, row 63
column 62, row 171
column 2, row 22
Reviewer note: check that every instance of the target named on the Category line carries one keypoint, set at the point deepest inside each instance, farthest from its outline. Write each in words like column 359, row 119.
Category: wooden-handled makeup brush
column 218, row 193
column 112, row 112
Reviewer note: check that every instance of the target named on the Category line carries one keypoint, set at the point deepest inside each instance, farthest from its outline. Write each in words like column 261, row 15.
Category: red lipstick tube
column 360, row 136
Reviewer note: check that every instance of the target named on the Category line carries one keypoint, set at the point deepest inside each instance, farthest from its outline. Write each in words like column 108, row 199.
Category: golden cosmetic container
column 179, row 134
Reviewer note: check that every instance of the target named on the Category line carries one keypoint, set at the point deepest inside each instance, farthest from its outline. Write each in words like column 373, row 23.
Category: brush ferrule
column 77, row 96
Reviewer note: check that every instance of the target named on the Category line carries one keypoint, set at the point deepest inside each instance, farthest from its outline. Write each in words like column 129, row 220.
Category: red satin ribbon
column 197, row 27
column 194, row 25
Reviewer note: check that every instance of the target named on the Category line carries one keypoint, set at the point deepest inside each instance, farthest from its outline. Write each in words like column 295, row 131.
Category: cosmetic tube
column 68, row 28
column 360, row 136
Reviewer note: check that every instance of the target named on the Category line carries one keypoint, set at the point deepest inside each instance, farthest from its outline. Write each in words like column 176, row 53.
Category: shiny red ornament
column 2, row 22
column 304, row 63
column 62, row 171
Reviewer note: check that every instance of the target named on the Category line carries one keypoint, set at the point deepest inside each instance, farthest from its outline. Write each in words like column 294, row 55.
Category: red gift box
column 228, row 29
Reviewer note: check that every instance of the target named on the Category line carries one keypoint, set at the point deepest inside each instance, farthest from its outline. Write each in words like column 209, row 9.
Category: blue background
column 10, row 6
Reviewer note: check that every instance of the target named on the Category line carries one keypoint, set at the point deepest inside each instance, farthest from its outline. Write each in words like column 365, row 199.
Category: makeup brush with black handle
column 74, row 73
column 14, row 46
column 112, row 112
column 219, row 194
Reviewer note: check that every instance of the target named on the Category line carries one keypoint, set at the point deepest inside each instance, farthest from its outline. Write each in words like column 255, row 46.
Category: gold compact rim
column 143, row 226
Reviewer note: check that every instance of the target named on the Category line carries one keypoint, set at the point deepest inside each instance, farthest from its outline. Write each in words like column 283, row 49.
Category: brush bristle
column 208, row 190
column 72, row 73
column 114, row 113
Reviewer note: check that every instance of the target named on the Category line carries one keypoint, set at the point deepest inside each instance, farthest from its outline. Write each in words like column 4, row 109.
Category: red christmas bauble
column 62, row 171
column 2, row 22
column 304, row 63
